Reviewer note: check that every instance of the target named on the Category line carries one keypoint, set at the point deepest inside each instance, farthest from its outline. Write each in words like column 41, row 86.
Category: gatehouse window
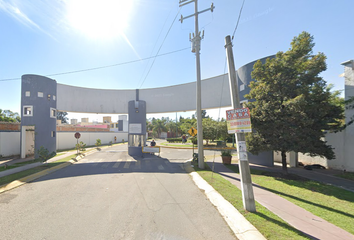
column 54, row 97
column 53, row 133
column 40, row 94
column 28, row 94
column 27, row 111
column 53, row 113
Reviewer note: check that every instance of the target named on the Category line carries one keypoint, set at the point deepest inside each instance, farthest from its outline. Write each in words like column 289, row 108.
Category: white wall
column 66, row 140
column 9, row 143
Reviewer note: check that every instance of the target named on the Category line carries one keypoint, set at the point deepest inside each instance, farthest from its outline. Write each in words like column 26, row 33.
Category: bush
column 174, row 140
column 81, row 146
column 43, row 154
column 194, row 140
column 98, row 142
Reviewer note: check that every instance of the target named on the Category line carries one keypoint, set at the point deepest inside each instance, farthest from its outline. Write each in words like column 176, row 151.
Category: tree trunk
column 283, row 161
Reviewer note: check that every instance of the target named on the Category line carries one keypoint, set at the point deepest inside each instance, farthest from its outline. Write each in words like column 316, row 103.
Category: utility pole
column 196, row 48
column 246, row 181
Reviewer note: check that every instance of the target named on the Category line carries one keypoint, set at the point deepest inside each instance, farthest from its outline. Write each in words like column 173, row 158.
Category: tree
column 204, row 114
column 209, row 129
column 62, row 116
column 292, row 105
column 158, row 126
column 9, row 116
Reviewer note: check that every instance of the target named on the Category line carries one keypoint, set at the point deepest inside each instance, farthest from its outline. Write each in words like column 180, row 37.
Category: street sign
column 238, row 120
column 192, row 131
column 77, row 135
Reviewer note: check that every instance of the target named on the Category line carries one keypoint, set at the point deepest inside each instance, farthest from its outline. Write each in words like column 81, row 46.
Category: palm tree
column 158, row 126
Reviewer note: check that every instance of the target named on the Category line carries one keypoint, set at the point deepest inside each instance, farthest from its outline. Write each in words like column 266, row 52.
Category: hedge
column 174, row 140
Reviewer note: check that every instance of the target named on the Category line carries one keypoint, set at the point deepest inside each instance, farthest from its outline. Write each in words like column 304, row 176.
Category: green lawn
column 333, row 204
column 269, row 224
column 16, row 176
column 347, row 175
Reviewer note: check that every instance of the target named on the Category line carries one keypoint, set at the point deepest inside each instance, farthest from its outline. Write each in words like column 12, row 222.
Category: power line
column 97, row 68
column 238, row 20
column 152, row 51
column 160, row 47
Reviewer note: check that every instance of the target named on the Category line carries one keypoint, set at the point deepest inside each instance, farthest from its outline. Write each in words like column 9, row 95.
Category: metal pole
column 246, row 181
column 199, row 91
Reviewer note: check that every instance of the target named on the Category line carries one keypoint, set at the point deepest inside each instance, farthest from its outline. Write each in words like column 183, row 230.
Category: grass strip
column 7, row 179
column 20, row 164
column 268, row 224
column 346, row 175
column 331, row 203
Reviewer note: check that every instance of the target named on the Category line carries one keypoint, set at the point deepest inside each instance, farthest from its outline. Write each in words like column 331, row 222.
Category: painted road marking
column 138, row 164
column 160, row 167
column 106, row 165
column 96, row 163
column 127, row 164
column 116, row 165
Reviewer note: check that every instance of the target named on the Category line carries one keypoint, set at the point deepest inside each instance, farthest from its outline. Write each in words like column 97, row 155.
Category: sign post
column 193, row 131
column 77, row 135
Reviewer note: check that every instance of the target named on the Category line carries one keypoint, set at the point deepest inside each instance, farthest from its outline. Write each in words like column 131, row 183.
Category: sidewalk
column 297, row 217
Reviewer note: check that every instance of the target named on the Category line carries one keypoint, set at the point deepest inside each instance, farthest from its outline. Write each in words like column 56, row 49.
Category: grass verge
column 267, row 223
column 7, row 179
column 20, row 164
column 333, row 204
column 347, row 175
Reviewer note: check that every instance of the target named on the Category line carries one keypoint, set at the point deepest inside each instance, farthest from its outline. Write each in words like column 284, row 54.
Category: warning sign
column 238, row 120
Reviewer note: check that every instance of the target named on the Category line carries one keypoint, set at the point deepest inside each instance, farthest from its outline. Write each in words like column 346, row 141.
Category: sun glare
column 99, row 18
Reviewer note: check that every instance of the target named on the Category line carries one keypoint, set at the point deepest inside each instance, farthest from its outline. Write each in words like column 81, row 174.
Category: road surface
column 110, row 195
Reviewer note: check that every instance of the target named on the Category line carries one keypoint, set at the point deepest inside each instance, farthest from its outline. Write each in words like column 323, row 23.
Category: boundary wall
column 10, row 141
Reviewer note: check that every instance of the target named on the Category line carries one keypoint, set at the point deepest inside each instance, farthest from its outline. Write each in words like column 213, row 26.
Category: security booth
column 137, row 127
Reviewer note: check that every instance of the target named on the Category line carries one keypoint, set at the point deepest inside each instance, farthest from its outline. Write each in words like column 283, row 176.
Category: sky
column 138, row 44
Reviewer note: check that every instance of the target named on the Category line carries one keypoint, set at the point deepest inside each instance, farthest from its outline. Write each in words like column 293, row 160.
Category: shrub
column 174, row 140
column 98, row 142
column 44, row 155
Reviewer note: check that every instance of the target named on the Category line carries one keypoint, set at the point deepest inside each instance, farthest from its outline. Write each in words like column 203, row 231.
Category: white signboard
column 151, row 150
column 135, row 128
column 242, row 151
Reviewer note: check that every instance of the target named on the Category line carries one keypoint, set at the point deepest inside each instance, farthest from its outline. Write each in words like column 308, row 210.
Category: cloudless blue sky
column 47, row 37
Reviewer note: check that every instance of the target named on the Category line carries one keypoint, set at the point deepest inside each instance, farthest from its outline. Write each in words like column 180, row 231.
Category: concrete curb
column 241, row 227
column 34, row 176
column 24, row 180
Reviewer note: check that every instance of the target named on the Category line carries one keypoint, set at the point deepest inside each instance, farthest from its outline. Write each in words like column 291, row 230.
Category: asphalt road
column 110, row 195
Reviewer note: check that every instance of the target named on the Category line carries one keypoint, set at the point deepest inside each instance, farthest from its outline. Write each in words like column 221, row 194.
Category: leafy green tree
column 172, row 127
column 186, row 124
column 204, row 114
column 209, row 129
column 158, row 126
column 62, row 116
column 292, row 105
column 9, row 116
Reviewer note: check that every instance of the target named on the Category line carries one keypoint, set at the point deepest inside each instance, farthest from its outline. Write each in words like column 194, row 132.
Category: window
column 242, row 87
column 40, row 94
column 53, row 134
column 27, row 111
column 53, row 113
column 116, row 125
column 54, row 97
column 28, row 94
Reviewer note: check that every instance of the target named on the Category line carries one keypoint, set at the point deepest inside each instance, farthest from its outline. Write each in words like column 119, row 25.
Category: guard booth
column 137, row 127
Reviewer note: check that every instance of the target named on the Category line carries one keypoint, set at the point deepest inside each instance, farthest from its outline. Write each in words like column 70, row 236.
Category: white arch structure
column 177, row 98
